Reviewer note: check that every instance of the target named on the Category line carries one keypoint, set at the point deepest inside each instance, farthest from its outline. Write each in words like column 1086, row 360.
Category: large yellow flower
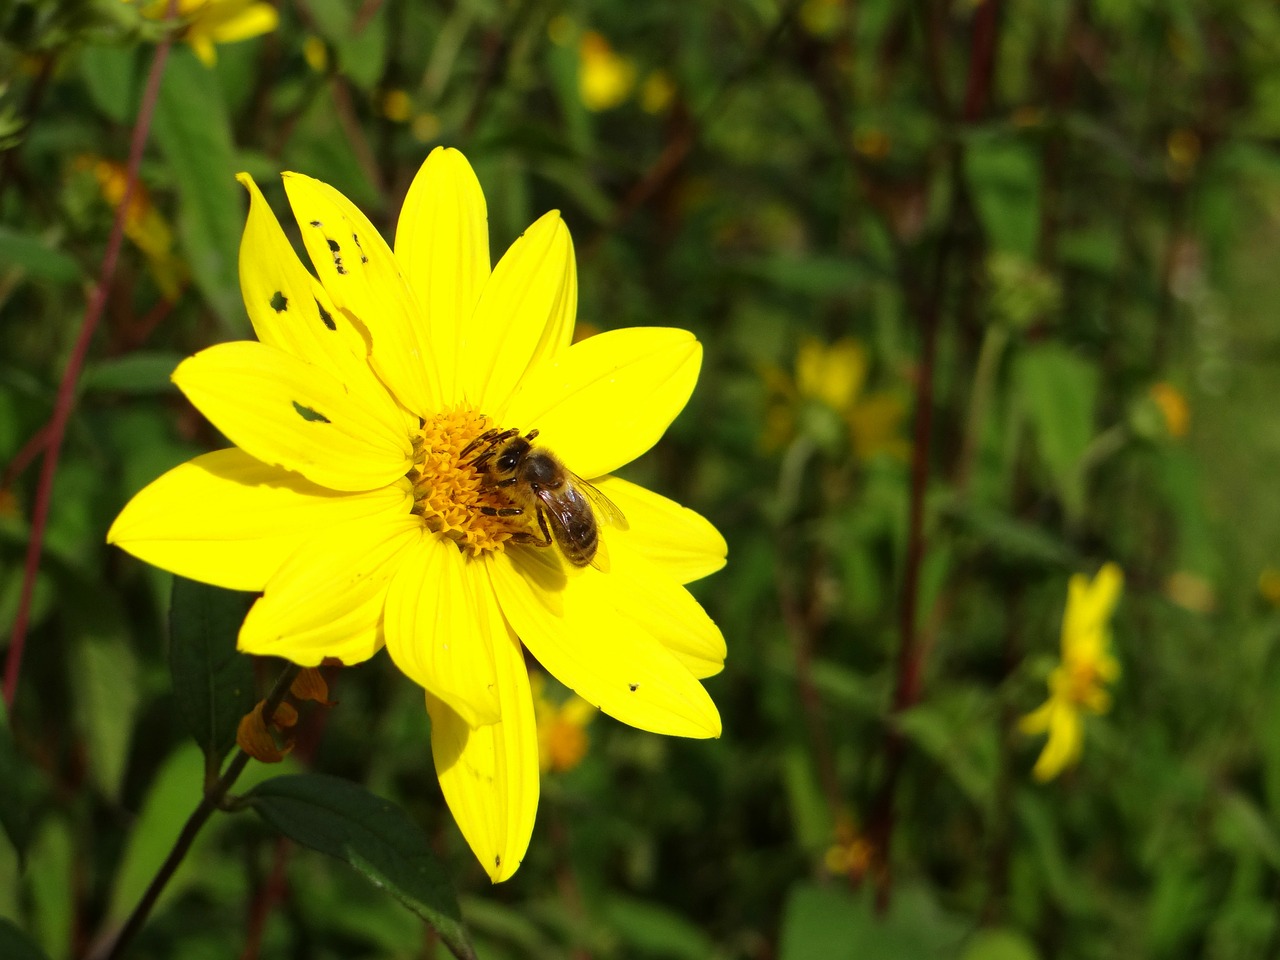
column 1078, row 683
column 351, row 499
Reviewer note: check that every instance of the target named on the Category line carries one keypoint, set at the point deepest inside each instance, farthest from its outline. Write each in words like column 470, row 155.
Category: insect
column 568, row 509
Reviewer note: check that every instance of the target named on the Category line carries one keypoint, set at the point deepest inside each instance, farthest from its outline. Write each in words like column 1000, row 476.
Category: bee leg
column 478, row 441
column 542, row 525
column 502, row 511
column 491, row 439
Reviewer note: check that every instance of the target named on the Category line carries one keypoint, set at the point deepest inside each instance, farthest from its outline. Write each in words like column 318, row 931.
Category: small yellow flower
column 657, row 92
column 605, row 79
column 562, row 728
column 852, row 853
column 316, row 52
column 1269, row 585
column 354, row 502
column 143, row 224
column 210, row 22
column 834, row 375
column 1078, row 683
column 1173, row 407
column 397, row 106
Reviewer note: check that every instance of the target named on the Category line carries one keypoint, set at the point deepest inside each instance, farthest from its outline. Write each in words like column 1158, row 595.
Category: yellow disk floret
column 449, row 494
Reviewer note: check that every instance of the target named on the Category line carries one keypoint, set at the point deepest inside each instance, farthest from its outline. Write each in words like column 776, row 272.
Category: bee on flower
column 1078, row 684
column 370, row 498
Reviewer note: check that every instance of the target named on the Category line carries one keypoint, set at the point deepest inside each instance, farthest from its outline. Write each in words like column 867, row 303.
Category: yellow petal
column 291, row 310
column 607, row 399
column 362, row 276
column 442, row 621
column 230, row 520
column 568, row 620
column 286, row 412
column 646, row 595
column 203, row 47
column 327, row 598
column 680, row 541
column 525, row 311
column 251, row 20
column 442, row 243
column 489, row 775
column 1064, row 746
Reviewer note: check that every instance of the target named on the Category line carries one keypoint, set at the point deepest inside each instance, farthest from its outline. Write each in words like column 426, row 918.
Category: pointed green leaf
column 104, row 681
column 20, row 794
column 212, row 681
column 375, row 836
column 194, row 133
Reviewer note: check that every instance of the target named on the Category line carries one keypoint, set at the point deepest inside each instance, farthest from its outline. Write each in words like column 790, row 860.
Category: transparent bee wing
column 606, row 510
column 601, row 560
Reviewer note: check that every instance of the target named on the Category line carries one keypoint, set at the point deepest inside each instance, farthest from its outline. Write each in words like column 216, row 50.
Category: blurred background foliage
column 1034, row 235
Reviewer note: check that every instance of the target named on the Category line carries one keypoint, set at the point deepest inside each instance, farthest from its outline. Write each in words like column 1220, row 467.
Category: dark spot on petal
column 633, row 687
column 316, row 223
column 363, row 258
column 497, row 860
column 337, row 265
column 333, row 245
column 279, row 302
column 326, row 317
column 310, row 415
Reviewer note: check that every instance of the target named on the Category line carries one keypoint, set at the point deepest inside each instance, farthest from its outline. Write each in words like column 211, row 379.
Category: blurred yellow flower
column 657, row 92
column 378, row 493
column 397, row 105
column 852, row 853
column 605, row 79
column 1078, row 683
column 1173, row 407
column 834, row 375
column 143, row 224
column 316, row 53
column 562, row 727
column 1269, row 585
column 210, row 22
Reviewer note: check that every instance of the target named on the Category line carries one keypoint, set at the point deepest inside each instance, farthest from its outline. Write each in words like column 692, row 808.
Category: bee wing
column 601, row 560
column 606, row 510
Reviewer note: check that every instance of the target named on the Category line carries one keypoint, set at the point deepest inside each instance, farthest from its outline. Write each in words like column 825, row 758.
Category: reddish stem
column 66, row 397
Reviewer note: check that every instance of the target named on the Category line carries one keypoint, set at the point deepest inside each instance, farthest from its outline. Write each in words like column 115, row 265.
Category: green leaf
column 999, row 945
column 21, row 792
column 655, row 931
column 1057, row 391
column 375, row 836
column 135, row 373
column 50, row 872
column 16, row 945
column 108, row 74
column 1004, row 175
column 104, row 679
column 212, row 681
column 36, row 257
column 834, row 923
column 1013, row 540
column 193, row 132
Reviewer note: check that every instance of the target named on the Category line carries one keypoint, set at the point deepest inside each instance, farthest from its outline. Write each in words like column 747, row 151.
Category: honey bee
column 568, row 509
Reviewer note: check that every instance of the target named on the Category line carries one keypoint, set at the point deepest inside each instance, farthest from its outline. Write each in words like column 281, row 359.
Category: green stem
column 213, row 799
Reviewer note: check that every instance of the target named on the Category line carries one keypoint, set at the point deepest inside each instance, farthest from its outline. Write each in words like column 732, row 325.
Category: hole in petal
column 310, row 415
column 279, row 302
column 325, row 317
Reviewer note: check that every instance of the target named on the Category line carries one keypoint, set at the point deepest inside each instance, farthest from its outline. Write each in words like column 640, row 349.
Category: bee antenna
column 530, row 435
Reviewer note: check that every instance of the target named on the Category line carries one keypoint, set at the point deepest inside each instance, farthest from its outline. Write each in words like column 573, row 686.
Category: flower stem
column 213, row 799
column 66, row 396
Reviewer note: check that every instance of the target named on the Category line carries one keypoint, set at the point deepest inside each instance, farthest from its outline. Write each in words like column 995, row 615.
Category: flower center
column 449, row 494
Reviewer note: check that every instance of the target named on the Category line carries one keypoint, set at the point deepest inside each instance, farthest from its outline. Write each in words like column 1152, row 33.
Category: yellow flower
column 355, row 501
column 210, row 22
column 834, row 376
column 1173, row 408
column 562, row 728
column 605, row 79
column 143, row 224
column 1078, row 682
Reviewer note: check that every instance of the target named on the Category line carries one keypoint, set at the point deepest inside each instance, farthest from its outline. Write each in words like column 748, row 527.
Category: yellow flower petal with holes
column 389, row 489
